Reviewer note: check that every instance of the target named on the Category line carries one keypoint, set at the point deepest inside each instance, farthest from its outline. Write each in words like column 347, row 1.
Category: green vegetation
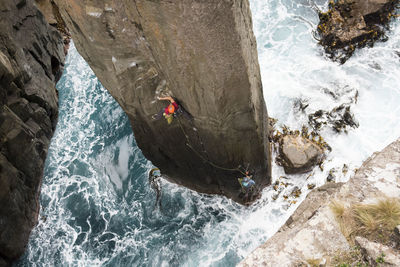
column 380, row 259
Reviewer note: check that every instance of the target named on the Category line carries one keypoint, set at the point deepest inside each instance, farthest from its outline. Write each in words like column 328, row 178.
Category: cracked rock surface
column 31, row 61
column 204, row 54
column 312, row 232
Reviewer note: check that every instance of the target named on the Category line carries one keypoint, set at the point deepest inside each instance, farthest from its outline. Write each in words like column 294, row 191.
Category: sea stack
column 202, row 53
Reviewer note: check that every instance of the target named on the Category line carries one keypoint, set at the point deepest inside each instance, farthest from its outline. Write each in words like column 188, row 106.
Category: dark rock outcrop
column 339, row 119
column 298, row 154
column 350, row 24
column 31, row 60
column 201, row 52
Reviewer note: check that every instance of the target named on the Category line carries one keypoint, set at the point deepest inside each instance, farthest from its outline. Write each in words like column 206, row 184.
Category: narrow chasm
column 98, row 206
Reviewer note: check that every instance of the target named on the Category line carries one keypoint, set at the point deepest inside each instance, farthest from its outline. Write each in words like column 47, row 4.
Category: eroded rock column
column 204, row 54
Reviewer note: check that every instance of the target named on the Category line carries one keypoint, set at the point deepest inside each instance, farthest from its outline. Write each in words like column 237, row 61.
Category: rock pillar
column 204, row 54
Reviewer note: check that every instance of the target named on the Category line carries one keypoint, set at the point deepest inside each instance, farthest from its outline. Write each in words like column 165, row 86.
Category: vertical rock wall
column 31, row 61
column 204, row 54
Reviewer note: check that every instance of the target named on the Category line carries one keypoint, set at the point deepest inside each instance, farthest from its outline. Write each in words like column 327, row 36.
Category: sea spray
column 98, row 209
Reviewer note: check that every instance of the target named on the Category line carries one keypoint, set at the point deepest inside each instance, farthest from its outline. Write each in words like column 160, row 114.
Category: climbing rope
column 188, row 143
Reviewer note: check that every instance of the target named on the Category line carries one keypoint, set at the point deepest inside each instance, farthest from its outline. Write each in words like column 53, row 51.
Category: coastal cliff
column 202, row 53
column 313, row 233
column 31, row 61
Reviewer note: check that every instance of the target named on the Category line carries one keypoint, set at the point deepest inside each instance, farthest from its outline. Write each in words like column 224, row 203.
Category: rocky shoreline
column 349, row 24
column 314, row 233
column 34, row 40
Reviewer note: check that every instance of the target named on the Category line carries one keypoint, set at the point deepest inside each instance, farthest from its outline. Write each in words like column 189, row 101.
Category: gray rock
column 29, row 51
column 3, row 263
column 204, row 54
column 377, row 254
column 46, row 8
column 397, row 234
column 299, row 154
column 312, row 232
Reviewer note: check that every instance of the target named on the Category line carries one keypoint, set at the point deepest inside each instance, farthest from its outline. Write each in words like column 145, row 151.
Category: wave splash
column 97, row 208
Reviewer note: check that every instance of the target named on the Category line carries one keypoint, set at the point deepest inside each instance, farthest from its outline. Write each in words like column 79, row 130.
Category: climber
column 172, row 110
column 154, row 180
column 247, row 185
column 169, row 111
column 246, row 182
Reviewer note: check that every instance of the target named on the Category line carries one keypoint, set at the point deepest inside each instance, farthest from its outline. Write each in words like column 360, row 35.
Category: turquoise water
column 97, row 208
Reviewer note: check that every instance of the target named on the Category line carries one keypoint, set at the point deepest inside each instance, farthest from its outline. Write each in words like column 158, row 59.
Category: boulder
column 204, row 54
column 377, row 254
column 349, row 24
column 299, row 154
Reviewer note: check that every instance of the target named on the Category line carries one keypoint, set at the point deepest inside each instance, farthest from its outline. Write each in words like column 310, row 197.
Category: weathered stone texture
column 373, row 251
column 312, row 232
column 204, row 54
column 299, row 154
column 31, row 60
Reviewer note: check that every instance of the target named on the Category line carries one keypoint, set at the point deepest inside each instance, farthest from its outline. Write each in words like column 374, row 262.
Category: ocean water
column 97, row 208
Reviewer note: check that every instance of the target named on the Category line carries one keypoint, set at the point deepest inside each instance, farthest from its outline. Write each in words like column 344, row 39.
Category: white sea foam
column 98, row 205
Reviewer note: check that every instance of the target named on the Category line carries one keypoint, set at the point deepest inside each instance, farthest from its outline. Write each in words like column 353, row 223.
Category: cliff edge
column 314, row 232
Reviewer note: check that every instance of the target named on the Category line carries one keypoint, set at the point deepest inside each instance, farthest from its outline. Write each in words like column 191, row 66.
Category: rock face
column 397, row 232
column 312, row 232
column 204, row 54
column 349, row 24
column 377, row 254
column 299, row 154
column 31, row 60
